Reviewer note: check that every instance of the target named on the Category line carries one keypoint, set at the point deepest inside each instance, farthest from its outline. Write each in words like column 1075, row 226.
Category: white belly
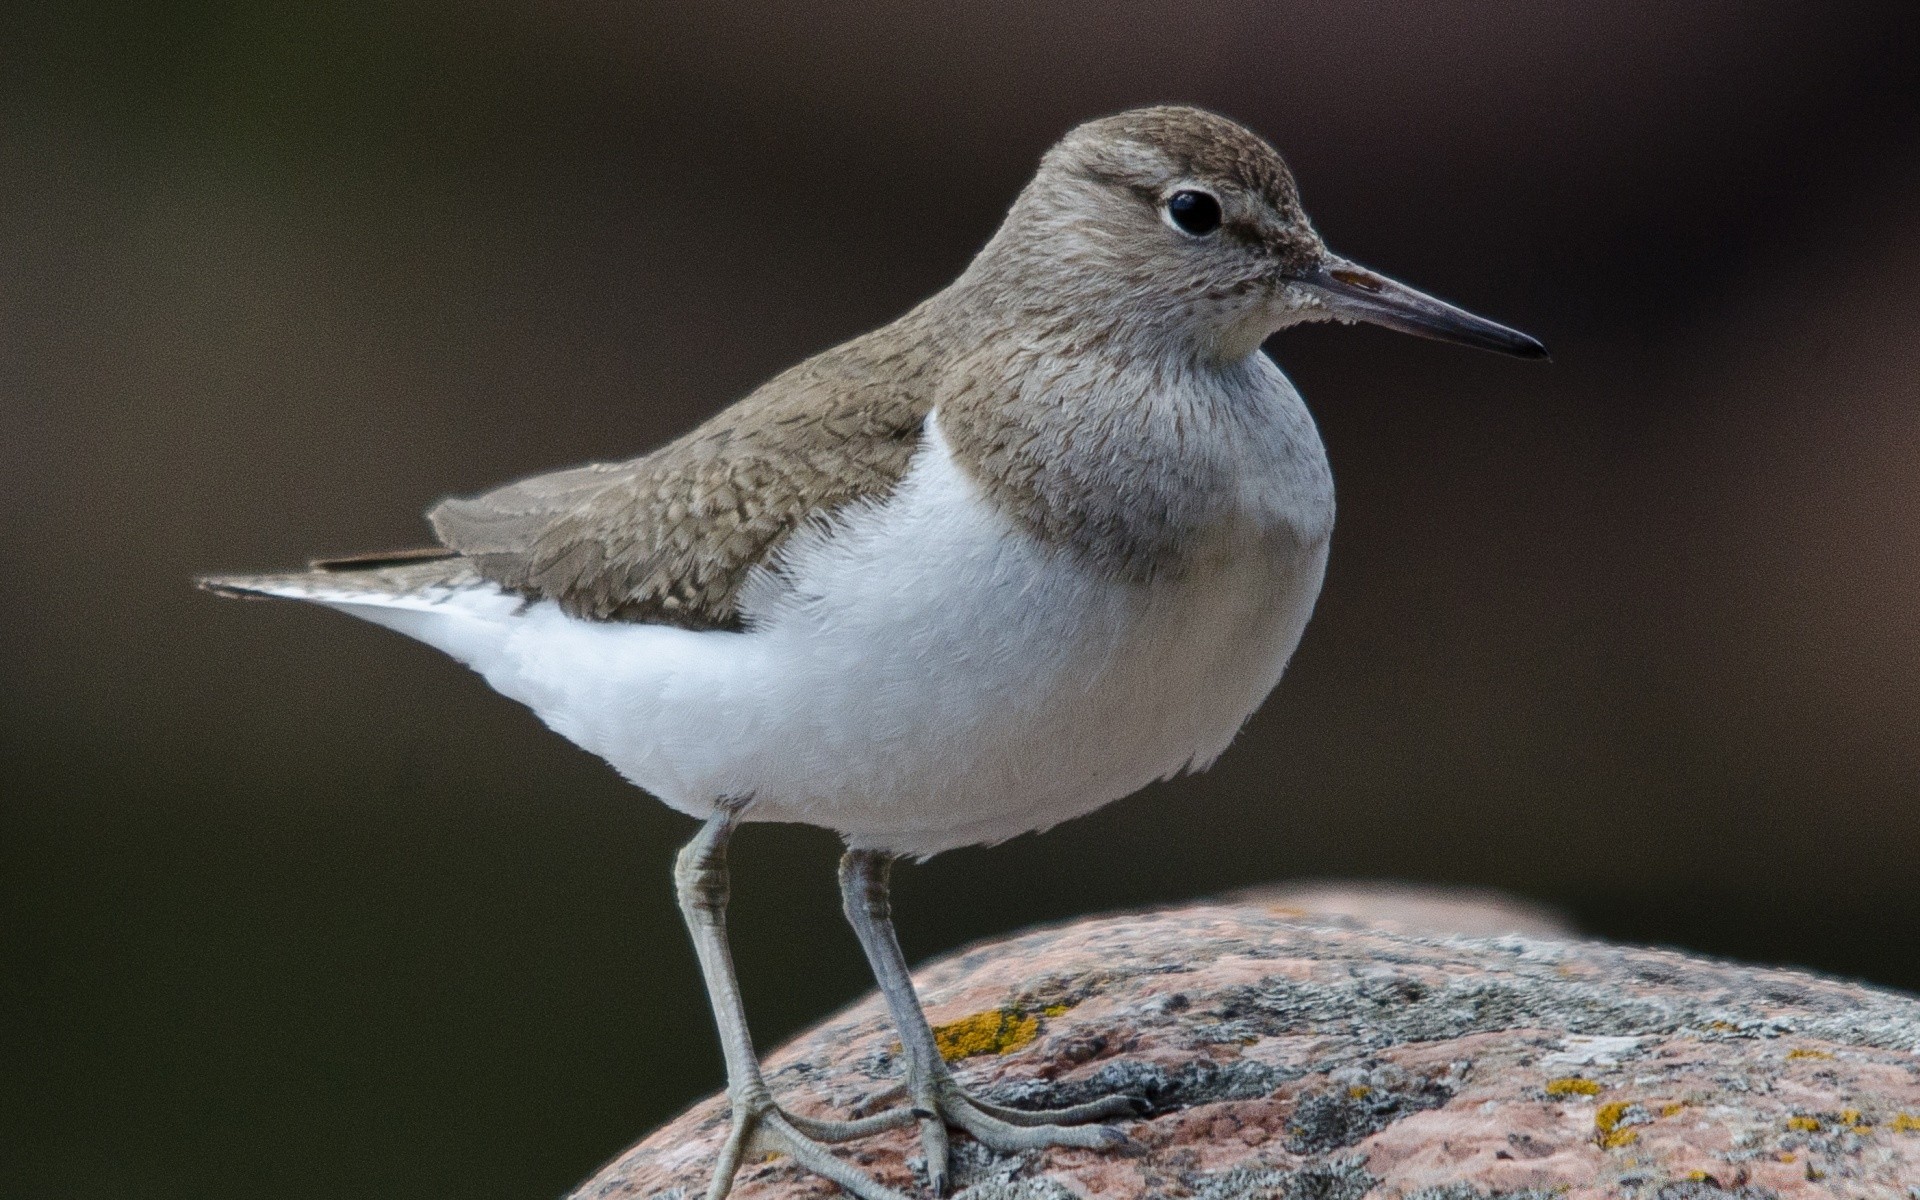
column 919, row 676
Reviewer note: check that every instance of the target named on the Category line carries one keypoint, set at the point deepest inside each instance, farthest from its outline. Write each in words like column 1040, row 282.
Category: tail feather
column 387, row 558
column 437, row 599
column 404, row 579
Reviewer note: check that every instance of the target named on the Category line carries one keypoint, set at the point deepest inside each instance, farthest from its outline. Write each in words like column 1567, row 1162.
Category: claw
column 933, row 1140
column 1117, row 1139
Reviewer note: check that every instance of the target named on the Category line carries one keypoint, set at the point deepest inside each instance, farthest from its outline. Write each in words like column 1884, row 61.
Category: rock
column 1478, row 912
column 1293, row 1057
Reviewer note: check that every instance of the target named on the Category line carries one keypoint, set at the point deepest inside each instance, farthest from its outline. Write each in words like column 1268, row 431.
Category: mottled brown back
column 671, row 537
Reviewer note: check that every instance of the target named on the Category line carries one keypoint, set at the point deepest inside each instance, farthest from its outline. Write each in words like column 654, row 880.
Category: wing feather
column 672, row 536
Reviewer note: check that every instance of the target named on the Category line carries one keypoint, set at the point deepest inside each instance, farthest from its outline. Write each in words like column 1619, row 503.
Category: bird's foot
column 942, row 1102
column 760, row 1127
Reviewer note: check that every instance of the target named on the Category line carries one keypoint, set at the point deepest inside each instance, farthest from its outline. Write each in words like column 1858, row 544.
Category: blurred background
column 291, row 906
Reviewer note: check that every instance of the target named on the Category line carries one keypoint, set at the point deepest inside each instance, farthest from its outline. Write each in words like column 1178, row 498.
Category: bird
column 1049, row 537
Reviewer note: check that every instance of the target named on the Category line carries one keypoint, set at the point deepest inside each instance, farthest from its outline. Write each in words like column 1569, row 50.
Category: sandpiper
column 1050, row 536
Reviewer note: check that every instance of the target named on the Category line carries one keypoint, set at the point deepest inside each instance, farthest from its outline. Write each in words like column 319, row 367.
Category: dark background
column 294, row 907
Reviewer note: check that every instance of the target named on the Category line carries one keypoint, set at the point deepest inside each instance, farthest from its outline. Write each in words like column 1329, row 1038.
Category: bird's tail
column 434, row 596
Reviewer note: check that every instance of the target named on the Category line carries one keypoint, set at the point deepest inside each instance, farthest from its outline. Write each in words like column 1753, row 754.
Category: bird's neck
column 1105, row 438
column 1073, row 306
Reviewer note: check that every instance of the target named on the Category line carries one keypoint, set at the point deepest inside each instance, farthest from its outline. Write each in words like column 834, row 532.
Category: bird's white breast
column 918, row 674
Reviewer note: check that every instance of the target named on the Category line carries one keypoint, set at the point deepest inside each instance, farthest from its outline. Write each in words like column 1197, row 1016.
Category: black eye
column 1194, row 212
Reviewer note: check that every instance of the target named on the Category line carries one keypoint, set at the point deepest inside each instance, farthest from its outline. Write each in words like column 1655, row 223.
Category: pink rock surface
column 1412, row 907
column 1327, row 1058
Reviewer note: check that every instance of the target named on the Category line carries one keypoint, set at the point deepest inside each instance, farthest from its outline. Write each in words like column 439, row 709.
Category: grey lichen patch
column 1333, row 1119
column 1338, row 1179
column 877, row 1064
column 1394, row 1010
column 1707, row 1189
column 1200, row 1081
column 1390, row 1012
column 1466, row 1191
column 973, row 1166
column 1044, row 1187
column 1071, row 989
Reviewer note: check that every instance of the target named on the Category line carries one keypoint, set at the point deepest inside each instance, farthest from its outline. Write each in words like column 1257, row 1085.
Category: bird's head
column 1174, row 221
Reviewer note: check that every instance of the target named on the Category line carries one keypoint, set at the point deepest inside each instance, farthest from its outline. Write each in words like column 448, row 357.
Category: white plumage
column 919, row 674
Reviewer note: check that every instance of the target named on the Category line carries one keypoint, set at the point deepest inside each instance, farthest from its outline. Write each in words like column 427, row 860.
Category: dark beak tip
column 1360, row 294
column 1532, row 348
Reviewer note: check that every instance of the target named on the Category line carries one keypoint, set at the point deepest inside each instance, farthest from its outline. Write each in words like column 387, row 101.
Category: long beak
column 1351, row 292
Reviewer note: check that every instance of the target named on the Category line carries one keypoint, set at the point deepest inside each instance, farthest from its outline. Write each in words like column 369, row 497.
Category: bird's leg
column 933, row 1096
column 700, row 878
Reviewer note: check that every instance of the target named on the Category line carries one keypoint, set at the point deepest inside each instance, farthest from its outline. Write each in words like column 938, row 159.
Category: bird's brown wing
column 671, row 537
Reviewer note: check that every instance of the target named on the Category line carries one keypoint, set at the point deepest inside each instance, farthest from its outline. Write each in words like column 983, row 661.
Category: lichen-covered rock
column 1316, row 1058
column 1412, row 907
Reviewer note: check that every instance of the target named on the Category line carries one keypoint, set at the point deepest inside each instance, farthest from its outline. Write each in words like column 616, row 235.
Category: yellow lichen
column 1723, row 1027
column 1674, row 1109
column 1698, row 1177
column 995, row 1031
column 1359, row 1091
column 1607, row 1129
column 1054, row 1010
column 1572, row 1085
column 1904, row 1123
column 1804, row 1124
column 1803, row 1052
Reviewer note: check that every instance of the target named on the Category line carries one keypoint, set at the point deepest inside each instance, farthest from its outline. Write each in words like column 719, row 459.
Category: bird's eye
column 1194, row 212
